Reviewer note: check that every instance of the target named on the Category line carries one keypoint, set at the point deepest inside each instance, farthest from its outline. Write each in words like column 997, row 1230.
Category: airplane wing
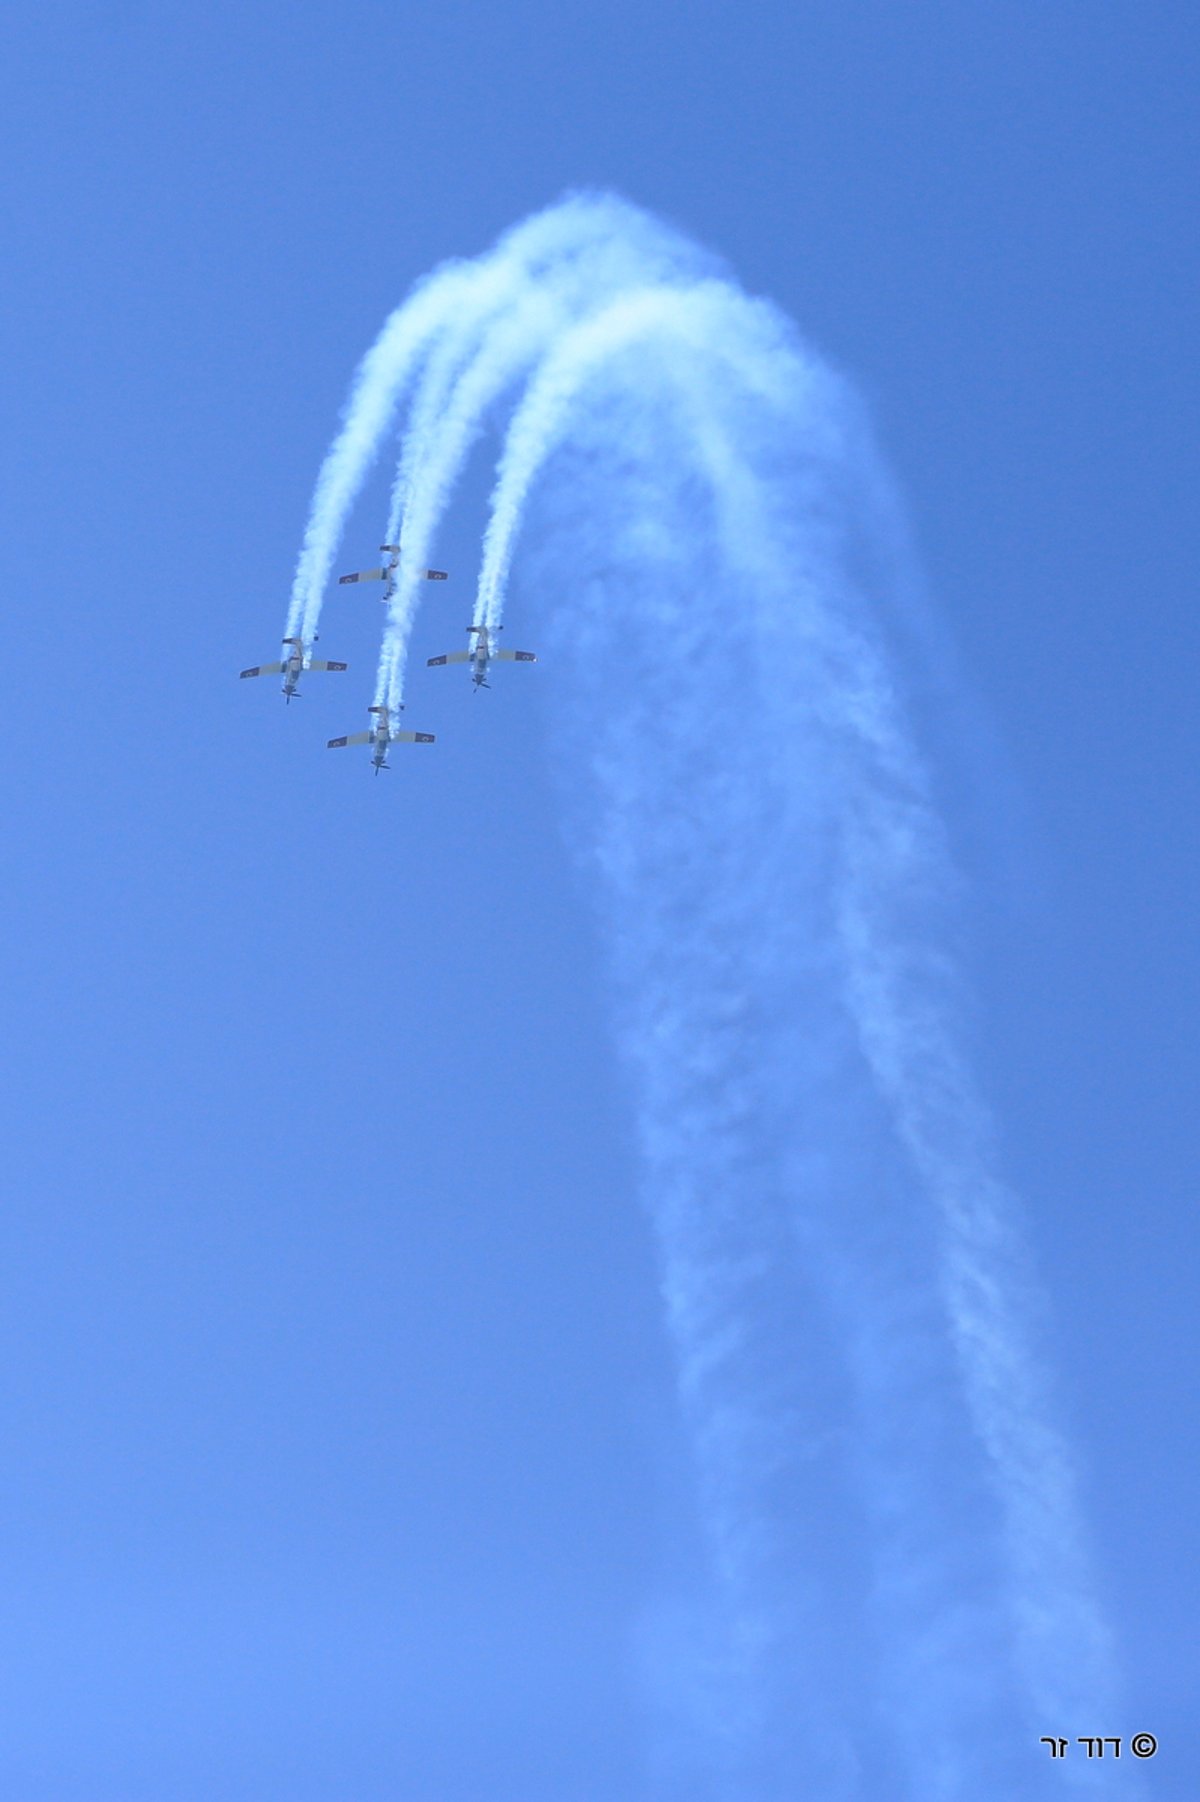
column 516, row 656
column 264, row 669
column 381, row 575
column 355, row 738
column 449, row 657
column 323, row 663
column 411, row 738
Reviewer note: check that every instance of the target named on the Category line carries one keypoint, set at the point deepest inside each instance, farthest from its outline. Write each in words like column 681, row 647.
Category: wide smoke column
column 704, row 521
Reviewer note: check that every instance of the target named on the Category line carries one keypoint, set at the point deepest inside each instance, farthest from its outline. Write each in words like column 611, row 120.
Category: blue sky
column 341, row 1449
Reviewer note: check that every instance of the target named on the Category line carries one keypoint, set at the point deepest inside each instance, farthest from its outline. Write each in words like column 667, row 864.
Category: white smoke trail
column 599, row 247
column 734, row 335
column 775, row 873
column 453, row 304
column 463, row 292
column 507, row 350
column 381, row 377
column 588, row 242
column 892, row 845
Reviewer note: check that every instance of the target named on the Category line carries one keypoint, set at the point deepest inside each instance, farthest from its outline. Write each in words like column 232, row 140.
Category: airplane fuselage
column 381, row 738
column 293, row 669
column 481, row 656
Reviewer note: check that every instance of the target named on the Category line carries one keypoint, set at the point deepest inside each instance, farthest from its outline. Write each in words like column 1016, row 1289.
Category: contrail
column 453, row 306
column 892, row 856
column 380, row 380
column 591, row 248
column 843, row 1273
column 709, row 318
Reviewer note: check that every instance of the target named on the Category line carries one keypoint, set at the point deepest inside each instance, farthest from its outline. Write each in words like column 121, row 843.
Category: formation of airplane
column 481, row 655
column 293, row 666
column 380, row 737
column 387, row 574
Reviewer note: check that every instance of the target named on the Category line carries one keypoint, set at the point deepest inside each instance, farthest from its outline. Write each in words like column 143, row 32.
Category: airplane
column 381, row 736
column 387, row 575
column 481, row 654
column 293, row 667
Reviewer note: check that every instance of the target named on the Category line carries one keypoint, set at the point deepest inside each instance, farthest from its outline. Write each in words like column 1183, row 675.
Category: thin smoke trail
column 489, row 301
column 588, row 243
column 775, row 900
column 738, row 340
column 458, row 292
column 895, row 987
column 459, row 410
column 472, row 366
column 381, row 377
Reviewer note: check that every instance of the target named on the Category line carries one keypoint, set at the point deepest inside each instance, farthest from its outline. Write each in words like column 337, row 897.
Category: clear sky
column 341, row 1459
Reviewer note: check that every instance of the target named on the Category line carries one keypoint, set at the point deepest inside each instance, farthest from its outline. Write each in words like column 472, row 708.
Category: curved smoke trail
column 843, row 1273
column 450, row 313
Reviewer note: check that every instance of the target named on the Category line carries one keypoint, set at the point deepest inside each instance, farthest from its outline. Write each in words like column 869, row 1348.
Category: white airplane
column 387, row 575
column 292, row 667
column 381, row 736
column 481, row 654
